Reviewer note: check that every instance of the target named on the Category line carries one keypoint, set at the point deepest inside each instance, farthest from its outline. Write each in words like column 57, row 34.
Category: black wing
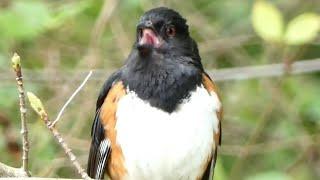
column 209, row 173
column 100, row 147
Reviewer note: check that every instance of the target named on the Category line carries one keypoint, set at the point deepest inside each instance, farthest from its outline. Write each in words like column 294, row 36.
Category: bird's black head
column 164, row 31
column 164, row 65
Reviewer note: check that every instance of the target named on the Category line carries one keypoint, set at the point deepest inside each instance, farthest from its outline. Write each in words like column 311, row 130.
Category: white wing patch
column 104, row 149
column 159, row 145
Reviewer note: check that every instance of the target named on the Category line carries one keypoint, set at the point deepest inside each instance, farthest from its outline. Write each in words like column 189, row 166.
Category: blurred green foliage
column 268, row 23
column 271, row 125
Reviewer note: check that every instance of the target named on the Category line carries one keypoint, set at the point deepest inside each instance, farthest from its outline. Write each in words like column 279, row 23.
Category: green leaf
column 267, row 21
column 274, row 175
column 24, row 20
column 67, row 12
column 302, row 29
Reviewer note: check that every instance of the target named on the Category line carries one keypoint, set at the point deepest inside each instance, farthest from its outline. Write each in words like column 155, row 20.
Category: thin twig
column 37, row 106
column 70, row 98
column 64, row 145
column 16, row 64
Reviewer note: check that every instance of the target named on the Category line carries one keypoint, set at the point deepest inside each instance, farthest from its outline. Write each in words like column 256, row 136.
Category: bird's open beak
column 148, row 37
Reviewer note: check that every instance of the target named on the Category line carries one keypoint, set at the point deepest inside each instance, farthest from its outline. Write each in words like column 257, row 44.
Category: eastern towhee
column 159, row 116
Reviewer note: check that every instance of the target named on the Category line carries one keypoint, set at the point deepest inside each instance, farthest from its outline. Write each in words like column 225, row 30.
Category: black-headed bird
column 159, row 116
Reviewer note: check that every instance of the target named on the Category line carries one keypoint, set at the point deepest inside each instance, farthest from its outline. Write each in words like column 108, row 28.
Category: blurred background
column 271, row 124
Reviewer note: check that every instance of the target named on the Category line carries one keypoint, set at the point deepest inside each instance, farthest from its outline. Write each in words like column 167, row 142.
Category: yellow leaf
column 35, row 103
column 267, row 21
column 302, row 29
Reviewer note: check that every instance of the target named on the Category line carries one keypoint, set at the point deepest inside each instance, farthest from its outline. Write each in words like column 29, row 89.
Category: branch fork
column 36, row 104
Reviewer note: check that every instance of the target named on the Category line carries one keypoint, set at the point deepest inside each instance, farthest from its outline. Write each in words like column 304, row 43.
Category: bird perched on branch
column 159, row 116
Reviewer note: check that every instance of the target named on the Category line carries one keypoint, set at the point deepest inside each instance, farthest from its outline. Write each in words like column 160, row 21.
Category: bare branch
column 7, row 171
column 225, row 74
column 270, row 146
column 71, row 97
column 38, row 107
column 270, row 70
column 16, row 65
column 37, row 178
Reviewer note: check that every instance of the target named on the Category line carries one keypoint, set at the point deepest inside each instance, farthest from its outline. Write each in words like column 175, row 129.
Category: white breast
column 159, row 145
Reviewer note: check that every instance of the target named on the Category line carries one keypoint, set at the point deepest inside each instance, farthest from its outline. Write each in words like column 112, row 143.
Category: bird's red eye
column 171, row 31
